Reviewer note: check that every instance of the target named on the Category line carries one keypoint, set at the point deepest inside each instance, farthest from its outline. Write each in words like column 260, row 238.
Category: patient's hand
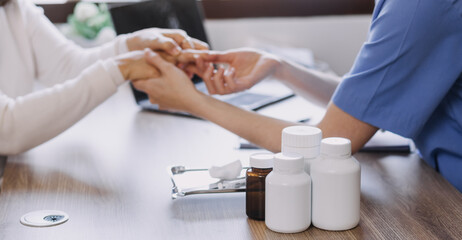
column 188, row 60
column 172, row 89
column 245, row 68
column 171, row 41
column 168, row 43
column 133, row 65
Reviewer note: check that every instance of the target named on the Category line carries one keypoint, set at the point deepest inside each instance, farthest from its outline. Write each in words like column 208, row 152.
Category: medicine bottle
column 261, row 164
column 336, row 181
column 303, row 140
column 288, row 195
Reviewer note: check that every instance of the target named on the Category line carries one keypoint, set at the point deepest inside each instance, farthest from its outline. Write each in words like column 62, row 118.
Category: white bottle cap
column 304, row 140
column 288, row 162
column 261, row 160
column 336, row 146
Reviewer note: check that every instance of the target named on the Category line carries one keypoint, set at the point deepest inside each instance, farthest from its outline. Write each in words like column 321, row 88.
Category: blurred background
column 329, row 31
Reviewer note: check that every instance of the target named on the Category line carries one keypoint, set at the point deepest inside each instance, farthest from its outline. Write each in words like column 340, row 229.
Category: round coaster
column 44, row 218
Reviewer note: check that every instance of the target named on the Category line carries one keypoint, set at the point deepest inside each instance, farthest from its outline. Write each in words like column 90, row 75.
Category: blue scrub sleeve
column 403, row 70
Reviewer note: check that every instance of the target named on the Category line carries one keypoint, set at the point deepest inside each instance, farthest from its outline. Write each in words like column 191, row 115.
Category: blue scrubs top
column 407, row 79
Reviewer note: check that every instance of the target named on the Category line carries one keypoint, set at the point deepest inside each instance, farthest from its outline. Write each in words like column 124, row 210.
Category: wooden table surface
column 108, row 172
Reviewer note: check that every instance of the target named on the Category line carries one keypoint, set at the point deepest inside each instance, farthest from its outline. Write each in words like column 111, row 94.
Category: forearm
column 337, row 123
column 56, row 58
column 266, row 132
column 28, row 121
column 67, row 60
column 258, row 129
column 313, row 85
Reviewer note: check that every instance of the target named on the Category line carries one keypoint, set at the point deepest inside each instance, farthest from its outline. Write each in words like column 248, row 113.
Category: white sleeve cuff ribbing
column 114, row 48
column 122, row 44
column 111, row 67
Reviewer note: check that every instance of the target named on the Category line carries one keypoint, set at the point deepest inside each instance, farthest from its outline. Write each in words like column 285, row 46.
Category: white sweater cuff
column 114, row 48
column 111, row 67
column 122, row 44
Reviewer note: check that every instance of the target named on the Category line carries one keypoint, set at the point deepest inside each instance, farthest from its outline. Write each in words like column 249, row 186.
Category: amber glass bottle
column 261, row 164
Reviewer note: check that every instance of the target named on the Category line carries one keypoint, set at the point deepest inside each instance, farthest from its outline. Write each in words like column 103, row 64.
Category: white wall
column 333, row 39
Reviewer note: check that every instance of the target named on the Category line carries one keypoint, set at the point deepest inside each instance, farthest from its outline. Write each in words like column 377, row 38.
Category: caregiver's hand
column 134, row 65
column 172, row 89
column 171, row 41
column 246, row 67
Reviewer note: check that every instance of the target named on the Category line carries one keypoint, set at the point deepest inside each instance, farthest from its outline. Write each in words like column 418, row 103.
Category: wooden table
column 108, row 172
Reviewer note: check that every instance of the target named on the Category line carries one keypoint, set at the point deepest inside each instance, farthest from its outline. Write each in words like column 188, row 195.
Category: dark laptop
column 187, row 15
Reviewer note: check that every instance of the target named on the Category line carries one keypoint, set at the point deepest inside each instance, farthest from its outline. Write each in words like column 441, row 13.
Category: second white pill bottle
column 303, row 140
column 288, row 195
column 336, row 184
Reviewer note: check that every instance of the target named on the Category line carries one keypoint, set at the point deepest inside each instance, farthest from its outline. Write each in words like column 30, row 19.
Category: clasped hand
column 164, row 69
column 167, row 42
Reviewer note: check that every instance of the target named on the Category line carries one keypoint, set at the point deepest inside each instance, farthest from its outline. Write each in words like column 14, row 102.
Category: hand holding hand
column 172, row 89
column 171, row 41
column 246, row 67
column 134, row 65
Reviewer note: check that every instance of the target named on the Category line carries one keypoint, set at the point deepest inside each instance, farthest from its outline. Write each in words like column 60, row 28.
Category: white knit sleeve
column 57, row 59
column 28, row 121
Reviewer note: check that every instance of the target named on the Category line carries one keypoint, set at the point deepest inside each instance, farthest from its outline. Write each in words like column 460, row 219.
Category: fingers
column 219, row 57
column 218, row 80
column 157, row 61
column 190, row 55
column 199, row 45
column 191, row 69
column 200, row 64
column 187, row 43
column 195, row 57
column 167, row 57
column 147, row 86
column 181, row 38
column 221, row 81
column 171, row 41
column 207, row 78
column 166, row 44
column 150, row 72
column 229, row 80
column 143, row 71
column 225, row 82
column 134, row 66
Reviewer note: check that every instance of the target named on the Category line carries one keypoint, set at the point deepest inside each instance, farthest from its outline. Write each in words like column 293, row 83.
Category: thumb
column 190, row 55
column 156, row 60
column 191, row 68
column 168, row 45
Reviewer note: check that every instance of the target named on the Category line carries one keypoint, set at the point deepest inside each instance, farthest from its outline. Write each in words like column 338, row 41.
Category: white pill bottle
column 336, row 183
column 288, row 195
column 303, row 140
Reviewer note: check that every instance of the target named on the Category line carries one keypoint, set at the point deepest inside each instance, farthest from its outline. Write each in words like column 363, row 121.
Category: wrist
column 112, row 68
column 121, row 44
column 122, row 68
column 198, row 104
column 132, row 42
